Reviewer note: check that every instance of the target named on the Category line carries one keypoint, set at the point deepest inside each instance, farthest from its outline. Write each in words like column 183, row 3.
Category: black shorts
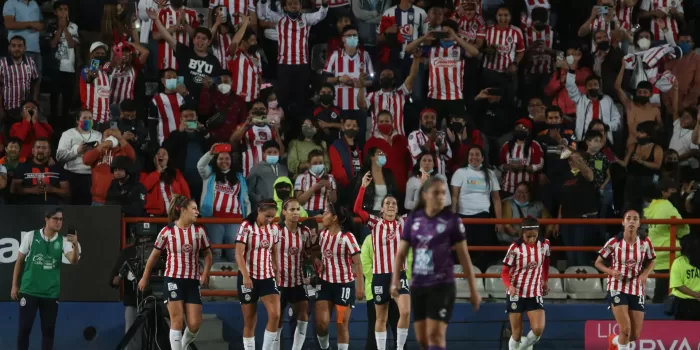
column 338, row 293
column 183, row 289
column 292, row 295
column 381, row 287
column 519, row 305
column 260, row 289
column 435, row 303
column 633, row 302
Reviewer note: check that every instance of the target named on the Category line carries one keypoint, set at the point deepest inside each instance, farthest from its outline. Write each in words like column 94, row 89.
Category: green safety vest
column 42, row 268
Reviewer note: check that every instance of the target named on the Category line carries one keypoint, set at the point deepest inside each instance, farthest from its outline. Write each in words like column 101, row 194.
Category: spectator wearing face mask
column 429, row 139
column 520, row 206
column 315, row 187
column 394, row 146
column 607, row 60
column 602, row 20
column 225, row 108
column 310, row 139
column 521, row 157
column 461, row 135
column 346, row 159
column 283, row 189
column 383, row 184
column 638, row 110
column 162, row 184
column 30, row 128
column 134, row 132
column 100, row 159
column 669, row 167
column 275, row 113
column 643, row 162
column 95, row 86
column 327, row 114
column 556, row 89
column 125, row 190
column 246, row 63
column 74, row 143
column 423, row 170
column 222, row 28
column 127, row 65
column 263, row 176
column 681, row 140
column 670, row 14
column 553, row 141
column 535, row 111
column 593, row 105
column 250, row 136
column 37, row 181
column 164, row 109
column 686, row 69
column 600, row 165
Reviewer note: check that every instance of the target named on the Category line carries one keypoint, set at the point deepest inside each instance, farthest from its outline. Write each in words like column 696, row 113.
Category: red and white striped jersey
column 507, row 43
column 624, row 15
column 385, row 243
column 339, row 64
column 226, row 200
column 629, row 259
column 166, row 192
column 338, row 250
column 234, row 7
column 168, row 106
column 411, row 23
column 393, row 101
column 95, row 96
column 416, row 143
column 183, row 246
column 123, row 82
column 333, row 3
column 290, row 255
column 666, row 6
column 525, row 262
column 599, row 23
column 525, row 21
column 258, row 248
column 446, row 73
column 170, row 17
column 534, row 158
column 247, row 71
column 253, row 141
column 16, row 81
column 317, row 201
column 541, row 62
column 293, row 34
column 532, row 4
column 471, row 29
column 223, row 42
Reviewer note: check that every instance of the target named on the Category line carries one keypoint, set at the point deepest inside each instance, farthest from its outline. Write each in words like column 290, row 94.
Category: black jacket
column 177, row 142
column 391, row 189
column 609, row 70
column 131, row 196
column 140, row 145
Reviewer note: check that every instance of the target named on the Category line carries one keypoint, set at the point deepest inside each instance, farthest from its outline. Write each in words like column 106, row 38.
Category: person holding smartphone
column 71, row 147
column 39, row 262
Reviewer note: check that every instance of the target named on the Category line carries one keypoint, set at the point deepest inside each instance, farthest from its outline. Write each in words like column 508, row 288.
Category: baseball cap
column 98, row 44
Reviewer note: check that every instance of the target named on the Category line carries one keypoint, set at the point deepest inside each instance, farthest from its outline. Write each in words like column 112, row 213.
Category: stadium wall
column 468, row 330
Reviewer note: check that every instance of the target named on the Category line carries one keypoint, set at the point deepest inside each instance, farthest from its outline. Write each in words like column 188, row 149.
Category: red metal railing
column 672, row 249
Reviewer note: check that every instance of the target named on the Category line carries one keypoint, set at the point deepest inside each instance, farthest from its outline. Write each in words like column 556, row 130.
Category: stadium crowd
column 527, row 108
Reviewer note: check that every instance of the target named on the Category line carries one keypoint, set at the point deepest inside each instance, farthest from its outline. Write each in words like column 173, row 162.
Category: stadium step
column 211, row 345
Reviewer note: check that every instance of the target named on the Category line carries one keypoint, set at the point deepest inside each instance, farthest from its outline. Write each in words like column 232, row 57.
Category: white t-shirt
column 28, row 239
column 474, row 194
column 681, row 142
column 64, row 54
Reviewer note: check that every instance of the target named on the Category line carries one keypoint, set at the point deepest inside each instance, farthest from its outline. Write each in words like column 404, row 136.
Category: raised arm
column 162, row 31
column 618, row 87
column 357, row 209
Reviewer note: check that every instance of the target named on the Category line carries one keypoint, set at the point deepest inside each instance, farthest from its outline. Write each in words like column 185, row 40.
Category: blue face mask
column 429, row 171
column 272, row 160
column 294, row 15
column 171, row 84
column 352, row 41
column 685, row 47
column 446, row 44
column 381, row 160
column 318, row 169
column 524, row 204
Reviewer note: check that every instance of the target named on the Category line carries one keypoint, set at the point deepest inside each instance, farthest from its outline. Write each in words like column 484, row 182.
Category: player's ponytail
column 176, row 205
column 266, row 204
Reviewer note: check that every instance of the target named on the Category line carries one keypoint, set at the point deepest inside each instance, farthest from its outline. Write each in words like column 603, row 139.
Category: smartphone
column 222, row 12
column 71, row 230
column 91, row 145
column 223, row 148
column 191, row 125
column 560, row 55
column 603, row 10
column 94, row 65
column 113, row 125
column 216, row 80
column 180, row 80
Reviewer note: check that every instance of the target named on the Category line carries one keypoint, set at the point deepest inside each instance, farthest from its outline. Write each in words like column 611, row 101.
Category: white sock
column 401, row 336
column 276, row 342
column 530, row 340
column 188, row 338
column 268, row 339
column 300, row 335
column 513, row 345
column 249, row 343
column 175, row 340
column 615, row 340
column 343, row 346
column 623, row 347
column 380, row 337
column 323, row 341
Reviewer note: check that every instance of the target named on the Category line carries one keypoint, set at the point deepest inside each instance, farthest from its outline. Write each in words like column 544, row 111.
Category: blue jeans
column 579, row 236
column 223, row 234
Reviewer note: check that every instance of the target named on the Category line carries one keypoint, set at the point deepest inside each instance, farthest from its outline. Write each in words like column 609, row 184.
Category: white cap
column 98, row 44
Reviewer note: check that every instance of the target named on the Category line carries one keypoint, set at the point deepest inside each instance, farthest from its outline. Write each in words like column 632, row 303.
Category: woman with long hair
column 162, row 184
column 425, row 168
column 433, row 232
column 309, row 139
column 258, row 272
column 643, row 161
column 116, row 25
column 627, row 259
column 183, row 274
column 339, row 285
column 222, row 31
column 386, row 229
column 684, row 279
column 383, row 181
column 291, row 250
column 525, row 274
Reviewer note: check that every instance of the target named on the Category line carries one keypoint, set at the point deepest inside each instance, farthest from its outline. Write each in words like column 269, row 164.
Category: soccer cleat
column 611, row 346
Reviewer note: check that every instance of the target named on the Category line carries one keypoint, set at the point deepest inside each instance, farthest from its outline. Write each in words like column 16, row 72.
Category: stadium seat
column 494, row 286
column 224, row 282
column 319, row 55
column 580, row 288
column 556, row 289
column 463, row 291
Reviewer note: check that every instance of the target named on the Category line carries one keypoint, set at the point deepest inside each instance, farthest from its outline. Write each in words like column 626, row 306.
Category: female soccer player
column 386, row 233
column 339, row 288
column 631, row 260
column 256, row 256
column 525, row 275
column 290, row 253
column 433, row 231
column 183, row 280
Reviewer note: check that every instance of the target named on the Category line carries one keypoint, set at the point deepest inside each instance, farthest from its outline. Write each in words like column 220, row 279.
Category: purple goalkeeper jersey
column 432, row 239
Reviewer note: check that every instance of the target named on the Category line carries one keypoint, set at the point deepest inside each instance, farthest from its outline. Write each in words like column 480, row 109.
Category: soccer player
column 386, row 233
column 339, row 288
column 433, row 231
column 525, row 275
column 183, row 276
column 256, row 256
column 631, row 260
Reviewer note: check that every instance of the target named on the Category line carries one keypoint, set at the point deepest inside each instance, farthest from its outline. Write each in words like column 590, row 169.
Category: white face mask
column 224, row 88
column 644, row 43
column 570, row 59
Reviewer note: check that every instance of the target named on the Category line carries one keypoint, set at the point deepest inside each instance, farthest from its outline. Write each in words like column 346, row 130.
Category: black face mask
column 540, row 27
column 386, row 83
column 643, row 140
column 326, row 99
column 670, row 166
column 520, row 134
column 603, row 45
column 456, row 127
column 593, row 93
column 252, row 49
column 351, row 132
column 283, row 194
column 426, row 130
column 642, row 100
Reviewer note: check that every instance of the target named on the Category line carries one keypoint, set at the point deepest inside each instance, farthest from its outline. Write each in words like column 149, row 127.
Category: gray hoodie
column 261, row 181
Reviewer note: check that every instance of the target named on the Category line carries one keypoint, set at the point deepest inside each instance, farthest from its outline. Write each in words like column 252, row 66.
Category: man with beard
column 38, row 183
column 134, row 131
column 125, row 190
column 19, row 86
column 554, row 140
column 429, row 139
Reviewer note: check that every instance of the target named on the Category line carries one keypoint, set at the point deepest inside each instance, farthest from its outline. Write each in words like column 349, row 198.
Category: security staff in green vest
column 42, row 252
column 685, row 279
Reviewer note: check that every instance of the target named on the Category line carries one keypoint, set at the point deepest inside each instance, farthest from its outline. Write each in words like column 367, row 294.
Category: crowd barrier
column 672, row 249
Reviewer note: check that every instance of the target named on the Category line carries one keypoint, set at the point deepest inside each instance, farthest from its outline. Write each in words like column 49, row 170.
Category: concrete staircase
column 210, row 335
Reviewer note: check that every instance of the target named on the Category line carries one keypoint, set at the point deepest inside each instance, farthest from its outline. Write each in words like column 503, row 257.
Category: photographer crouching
column 43, row 251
